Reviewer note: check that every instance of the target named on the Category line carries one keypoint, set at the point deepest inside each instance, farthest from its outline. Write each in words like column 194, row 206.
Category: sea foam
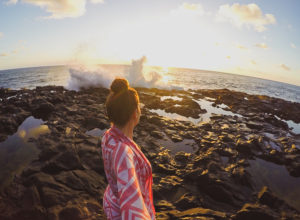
column 83, row 77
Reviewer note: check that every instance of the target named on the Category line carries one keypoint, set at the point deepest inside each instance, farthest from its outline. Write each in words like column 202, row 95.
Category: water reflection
column 96, row 132
column 295, row 127
column 208, row 106
column 16, row 151
column 273, row 145
column 270, row 135
column 176, row 98
column 187, row 145
column 174, row 116
column 277, row 178
column 204, row 104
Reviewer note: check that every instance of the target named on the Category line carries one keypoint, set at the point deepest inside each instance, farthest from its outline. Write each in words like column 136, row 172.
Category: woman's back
column 129, row 175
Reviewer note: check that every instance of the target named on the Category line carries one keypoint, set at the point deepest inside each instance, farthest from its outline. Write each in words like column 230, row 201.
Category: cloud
column 10, row 2
column 60, row 8
column 228, row 57
column 245, row 15
column 97, row 1
column 3, row 54
column 192, row 7
column 241, row 47
column 283, row 66
column 293, row 46
column 262, row 45
column 187, row 8
column 253, row 62
column 1, row 34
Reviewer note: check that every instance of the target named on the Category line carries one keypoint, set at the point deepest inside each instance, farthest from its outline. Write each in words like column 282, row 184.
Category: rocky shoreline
column 244, row 165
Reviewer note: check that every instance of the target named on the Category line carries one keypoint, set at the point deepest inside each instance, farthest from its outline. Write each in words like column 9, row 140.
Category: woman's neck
column 127, row 130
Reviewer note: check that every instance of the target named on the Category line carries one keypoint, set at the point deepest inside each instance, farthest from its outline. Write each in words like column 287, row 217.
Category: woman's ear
column 134, row 115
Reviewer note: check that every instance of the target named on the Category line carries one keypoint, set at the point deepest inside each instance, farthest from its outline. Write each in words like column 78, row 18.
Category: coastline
column 215, row 179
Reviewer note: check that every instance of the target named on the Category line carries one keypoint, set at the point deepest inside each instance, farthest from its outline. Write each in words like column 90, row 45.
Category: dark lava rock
column 267, row 198
column 194, row 213
column 187, row 201
column 254, row 125
column 294, row 168
column 70, row 213
column 42, row 108
column 182, row 157
column 163, row 205
column 254, row 211
column 156, row 134
column 48, row 153
column 8, row 125
column 66, row 180
column 247, row 147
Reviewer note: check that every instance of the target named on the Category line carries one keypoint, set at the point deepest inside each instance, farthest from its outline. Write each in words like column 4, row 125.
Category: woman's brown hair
column 121, row 102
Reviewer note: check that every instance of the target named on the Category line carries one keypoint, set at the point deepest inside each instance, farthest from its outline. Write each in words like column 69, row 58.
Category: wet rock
column 241, row 176
column 176, row 138
column 90, row 122
column 163, row 205
column 254, row 125
column 268, row 198
column 92, row 182
column 254, row 211
column 163, row 168
column 187, row 201
column 156, row 120
column 67, row 178
column 51, row 197
column 213, row 166
column 33, row 214
column 42, row 108
column 156, row 134
column 245, row 147
column 167, row 187
column 69, row 161
column 294, row 168
column 51, row 168
column 8, row 125
column 194, row 213
column 197, row 174
column 48, row 153
column 70, row 213
column 182, row 157
column 65, row 161
column 220, row 192
column 92, row 158
column 162, row 216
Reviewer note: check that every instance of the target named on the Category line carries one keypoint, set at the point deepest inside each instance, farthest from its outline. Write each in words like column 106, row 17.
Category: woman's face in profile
column 138, row 112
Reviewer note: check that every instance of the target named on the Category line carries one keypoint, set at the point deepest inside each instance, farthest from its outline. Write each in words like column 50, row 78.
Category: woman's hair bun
column 119, row 84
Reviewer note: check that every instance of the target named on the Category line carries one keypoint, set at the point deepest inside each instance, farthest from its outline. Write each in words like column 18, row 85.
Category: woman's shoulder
column 113, row 141
column 109, row 140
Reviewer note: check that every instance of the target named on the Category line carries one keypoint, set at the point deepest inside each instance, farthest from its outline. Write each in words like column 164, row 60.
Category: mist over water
column 85, row 77
column 138, row 74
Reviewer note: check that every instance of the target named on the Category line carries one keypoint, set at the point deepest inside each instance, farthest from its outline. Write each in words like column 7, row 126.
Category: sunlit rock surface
column 215, row 154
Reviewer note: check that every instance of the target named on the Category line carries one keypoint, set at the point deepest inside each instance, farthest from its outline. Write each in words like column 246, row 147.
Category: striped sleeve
column 130, row 195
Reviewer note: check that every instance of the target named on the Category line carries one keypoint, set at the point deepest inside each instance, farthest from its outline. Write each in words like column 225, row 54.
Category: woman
column 129, row 174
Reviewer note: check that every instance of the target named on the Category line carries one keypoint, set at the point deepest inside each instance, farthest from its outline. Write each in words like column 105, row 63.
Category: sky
column 256, row 38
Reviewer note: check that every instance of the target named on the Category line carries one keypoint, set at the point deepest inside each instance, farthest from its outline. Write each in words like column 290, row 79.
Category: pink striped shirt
column 128, row 195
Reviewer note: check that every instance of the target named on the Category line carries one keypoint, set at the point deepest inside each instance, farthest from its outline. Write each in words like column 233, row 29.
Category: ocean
column 172, row 78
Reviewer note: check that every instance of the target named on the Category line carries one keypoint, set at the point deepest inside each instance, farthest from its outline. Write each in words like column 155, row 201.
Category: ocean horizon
column 178, row 78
